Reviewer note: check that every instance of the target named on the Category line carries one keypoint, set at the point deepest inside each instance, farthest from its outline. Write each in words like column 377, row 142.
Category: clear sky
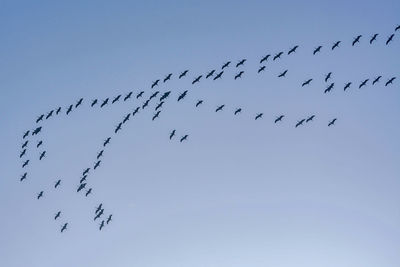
column 238, row 192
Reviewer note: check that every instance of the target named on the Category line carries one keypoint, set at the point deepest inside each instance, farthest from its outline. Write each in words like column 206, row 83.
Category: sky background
column 239, row 192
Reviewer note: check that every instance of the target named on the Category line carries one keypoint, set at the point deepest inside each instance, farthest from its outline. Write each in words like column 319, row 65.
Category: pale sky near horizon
column 237, row 192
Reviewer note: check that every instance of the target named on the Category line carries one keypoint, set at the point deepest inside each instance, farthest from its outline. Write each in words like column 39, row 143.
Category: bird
column 299, row 123
column 126, row 118
column 40, row 118
column 373, row 38
column 40, row 195
column 83, row 179
column 347, row 86
column 39, row 144
column 181, row 96
column 156, row 115
column 316, row 50
column 106, row 141
column 58, row 214
column 211, row 73
column 101, row 225
column 165, row 95
column 129, row 95
column 225, row 65
column 293, row 50
column 23, row 177
column 376, row 80
column 262, row 68
column 49, row 114
column 283, row 74
column 239, row 75
column 356, row 40
column 88, row 192
column 389, row 39
column 22, row 153
column 86, row 171
column 277, row 56
column 397, row 28
column 25, row 144
column 78, row 103
column 154, row 95
column 306, row 82
column 100, row 154
column 42, row 155
column 58, row 110
column 155, row 83
column 390, row 81
column 99, row 208
column 328, row 76
column 183, row 138
column 219, row 108
column 258, row 116
column 279, row 118
column 116, row 99
column 336, row 44
column 332, row 122
column 25, row 163
column 172, row 134
column 109, row 219
column 98, row 214
column 139, row 94
column 241, row 62
column 57, row 184
column 94, row 102
column 199, row 102
column 168, row 77
column 105, row 102
column 135, row 111
column 118, row 128
column 69, row 109
column 81, row 186
column 363, row 83
column 218, row 75
column 183, row 74
column 37, row 130
column 26, row 134
column 64, row 227
column 97, row 164
column 265, row 58
column 329, row 88
column 310, row 118
column 237, row 111
column 197, row 79
column 145, row 104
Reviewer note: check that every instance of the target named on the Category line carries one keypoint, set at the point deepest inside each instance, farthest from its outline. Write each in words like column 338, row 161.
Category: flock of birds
column 82, row 183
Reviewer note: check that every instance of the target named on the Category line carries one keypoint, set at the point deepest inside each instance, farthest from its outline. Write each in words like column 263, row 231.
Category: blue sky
column 239, row 191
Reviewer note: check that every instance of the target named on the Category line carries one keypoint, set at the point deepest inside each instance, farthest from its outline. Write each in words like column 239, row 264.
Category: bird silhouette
column 397, row 28
column 58, row 214
column 81, row 186
column 218, row 75
column 101, row 225
column 181, row 96
column 37, row 130
column 211, row 73
column 139, row 94
column 310, row 118
column 376, row 80
column 225, row 65
column 241, row 62
column 23, row 177
column 64, row 227
column 277, row 56
column 183, row 74
column 78, row 103
column 118, row 128
column 156, row 115
column 239, row 75
column 22, row 153
column 293, row 50
column 172, row 134
column 98, row 214
column 318, row 49
column 88, row 192
column 116, row 99
column 389, row 39
column 97, row 164
column 356, row 40
column 69, row 109
column 183, row 138
column 199, row 103
column 306, row 82
column 107, row 141
column 237, row 111
column 168, row 77
column 159, row 105
column 57, row 184
column 219, row 108
column 373, row 38
column 363, row 83
column 390, row 81
column 155, row 83
column 332, row 122
column 126, row 118
column 197, row 79
column 26, row 134
column 109, row 219
column 135, row 111
column 42, row 155
column 262, row 68
column 98, row 209
column 94, row 102
column 329, row 88
column 25, row 144
column 283, row 74
column 347, row 86
column 165, row 95
column 58, row 110
column 279, row 118
column 299, row 123
column 40, row 195
column 105, row 102
column 86, row 171
column 25, row 163
column 258, row 116
column 100, row 154
column 82, row 179
column 128, row 96
column 49, row 114
column 146, row 103
column 40, row 118
column 335, row 45
column 265, row 58
column 328, row 76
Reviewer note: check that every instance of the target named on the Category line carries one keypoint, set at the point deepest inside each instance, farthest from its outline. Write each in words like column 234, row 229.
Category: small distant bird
column 389, row 39
column 101, row 225
column 277, row 56
column 26, row 134
column 332, row 122
column 310, row 118
column 211, row 73
column 40, row 118
column 58, row 110
column 283, row 74
column 128, row 96
column 181, row 96
column 183, row 74
column 105, row 102
column 258, row 116
column 86, row 171
column 329, row 88
column 197, row 79
column 23, row 177
column 335, row 45
column 82, row 179
column 118, row 128
column 88, row 192
column 241, row 62
column 154, row 95
column 183, row 138
column 168, row 77
column 225, row 65
column 261, row 69
column 109, row 219
column 279, row 118
column 116, row 99
column 155, row 83
column 64, row 227
column 159, row 105
column 49, row 114
column 40, row 195
column 172, row 134
column 218, row 75
column 100, row 154
column 107, row 141
column 376, row 80
column 316, row 50
column 145, row 104
column 390, row 81
column 81, row 186
column 199, row 103
column 328, row 76
column 237, row 111
column 135, row 111
column 239, row 75
column 79, row 103
column 94, row 102
column 363, row 83
column 57, row 184
column 306, row 82
column 219, row 108
column 58, row 214
column 397, row 28
column 139, row 94
column 373, row 38
column 42, row 155
column 99, row 208
column 265, row 58
column 165, row 95
column 39, row 144
column 36, row 131
column 25, row 144
column 299, row 123
column 96, row 165
column 347, row 86
column 25, row 163
column 156, row 115
column 22, row 153
column 69, row 109
column 293, row 49
column 98, row 214
column 356, row 40
column 126, row 118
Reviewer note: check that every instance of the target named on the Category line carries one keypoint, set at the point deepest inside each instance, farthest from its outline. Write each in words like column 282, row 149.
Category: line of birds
column 83, row 182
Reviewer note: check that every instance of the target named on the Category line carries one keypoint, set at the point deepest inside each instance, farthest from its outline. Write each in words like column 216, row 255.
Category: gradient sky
column 239, row 192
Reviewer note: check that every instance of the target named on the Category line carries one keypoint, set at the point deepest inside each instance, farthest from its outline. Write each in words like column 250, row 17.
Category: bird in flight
column 25, row 163
column 277, row 56
column 183, row 74
column 81, row 186
column 183, row 138
column 328, row 76
column 58, row 110
column 26, row 134
column 363, row 83
column 225, row 65
column 58, row 214
column 37, row 130
column 106, row 141
column 146, row 103
column 155, row 83
column 42, row 155
column 88, row 192
column 69, row 109
column 211, row 73
column 109, row 219
column 119, row 127
column 283, row 74
column 390, row 81
column 97, row 164
column 116, row 99
column 265, row 58
column 310, row 118
column 219, row 108
column 347, row 86
column 389, row 39
column 239, row 75
column 49, row 114
column 181, row 96
column 332, row 122
column 25, row 144
column 306, row 82
column 126, row 118
column 154, row 95
column 129, row 95
column 299, row 123
column 237, row 111
column 79, row 103
column 40, row 195
column 83, row 179
column 98, row 214
column 218, row 75
column 262, row 68
column 279, row 118
column 397, row 28
column 139, row 94
column 336, row 44
column 57, row 184
column 64, row 227
column 258, row 116
column 318, row 49
column 99, row 208
column 329, row 88
column 293, row 50
column 105, row 102
column 376, row 80
column 373, row 38
column 241, row 62
column 168, row 77
column 22, row 153
column 156, row 115
column 159, row 105
column 23, row 177
column 100, row 154
column 172, row 134
column 40, row 118
column 94, row 102
column 197, row 79
column 101, row 225
column 135, row 111
column 199, row 103
column 165, row 95
column 356, row 40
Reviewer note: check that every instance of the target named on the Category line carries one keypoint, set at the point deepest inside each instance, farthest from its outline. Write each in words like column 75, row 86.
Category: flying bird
column 39, row 144
column 49, row 114
column 183, row 74
column 329, row 88
column 265, row 58
column 397, row 28
column 306, row 82
column 118, row 128
column 101, row 225
column 154, row 95
column 199, row 103
column 83, row 179
column 168, row 77
column 106, row 141
column 197, row 79
column 356, row 40
column 88, row 192
column 239, row 75
column 26, row 134
column 146, row 103
column 283, row 74
column 318, row 49
column 279, row 118
column 155, row 83
column 328, row 76
column 293, row 50
column 58, row 110
column 373, row 38
column 310, row 118
column 105, row 102
column 94, row 102
column 139, row 94
column 126, row 118
column 390, row 81
column 22, row 153
column 241, row 62
column 181, row 96
column 25, row 163
column 40, row 195
column 363, row 83
column 37, row 130
column 156, row 115
column 183, row 138
column 237, row 111
column 299, row 123
column 99, row 208
column 336, row 44
column 69, row 109
column 159, row 105
column 79, row 103
column 165, row 95
column 389, row 39
column 258, row 116
column 218, row 75
column 98, row 214
column 172, row 134
column 57, row 184
column 135, row 111
column 277, row 56
column 25, row 144
column 100, row 154
column 64, row 227
column 58, row 214
column 109, row 219
column 86, row 171
column 40, row 118
column 262, row 68
column 42, row 155
column 81, row 186
column 97, row 164
column 347, row 86
column 219, row 108
column 225, row 65
column 211, row 73
column 129, row 95
column 23, row 177
column 332, row 122
column 376, row 80
column 116, row 99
